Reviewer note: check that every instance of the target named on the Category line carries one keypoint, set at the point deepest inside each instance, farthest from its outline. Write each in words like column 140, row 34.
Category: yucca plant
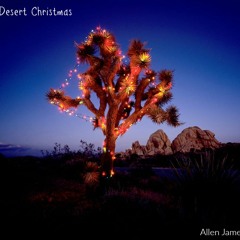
column 91, row 175
column 206, row 166
column 127, row 89
column 207, row 187
column 91, row 178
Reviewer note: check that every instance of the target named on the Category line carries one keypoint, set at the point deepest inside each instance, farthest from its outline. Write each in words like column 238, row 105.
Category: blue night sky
column 199, row 40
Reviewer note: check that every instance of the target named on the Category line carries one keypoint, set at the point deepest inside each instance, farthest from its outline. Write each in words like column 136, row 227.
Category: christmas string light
column 73, row 113
column 128, row 87
column 125, row 92
column 70, row 75
column 66, row 83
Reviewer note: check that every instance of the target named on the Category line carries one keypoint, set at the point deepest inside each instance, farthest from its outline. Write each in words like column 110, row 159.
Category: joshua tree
column 127, row 89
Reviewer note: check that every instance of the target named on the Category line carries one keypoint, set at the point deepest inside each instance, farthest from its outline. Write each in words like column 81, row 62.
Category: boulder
column 158, row 143
column 194, row 138
column 138, row 149
column 190, row 139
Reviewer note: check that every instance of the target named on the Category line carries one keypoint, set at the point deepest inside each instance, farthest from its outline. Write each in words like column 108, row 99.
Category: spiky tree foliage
column 126, row 91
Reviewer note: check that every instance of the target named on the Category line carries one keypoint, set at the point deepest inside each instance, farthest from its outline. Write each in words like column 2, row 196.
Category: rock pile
column 194, row 138
column 191, row 138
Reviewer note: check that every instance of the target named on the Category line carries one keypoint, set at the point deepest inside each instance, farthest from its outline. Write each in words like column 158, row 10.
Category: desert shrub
column 91, row 178
column 91, row 174
column 231, row 151
column 208, row 188
column 88, row 150
column 68, row 163
column 63, row 154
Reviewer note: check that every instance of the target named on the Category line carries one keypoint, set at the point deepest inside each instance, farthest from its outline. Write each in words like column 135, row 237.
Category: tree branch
column 139, row 92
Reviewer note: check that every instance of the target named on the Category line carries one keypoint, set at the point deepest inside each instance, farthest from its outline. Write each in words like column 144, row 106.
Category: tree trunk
column 108, row 156
column 110, row 141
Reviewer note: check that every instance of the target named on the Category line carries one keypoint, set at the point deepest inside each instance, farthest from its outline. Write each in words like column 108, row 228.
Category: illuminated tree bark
column 127, row 90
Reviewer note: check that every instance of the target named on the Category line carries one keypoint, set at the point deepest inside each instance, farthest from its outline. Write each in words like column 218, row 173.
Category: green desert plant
column 91, row 179
column 92, row 174
column 205, row 166
column 207, row 188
